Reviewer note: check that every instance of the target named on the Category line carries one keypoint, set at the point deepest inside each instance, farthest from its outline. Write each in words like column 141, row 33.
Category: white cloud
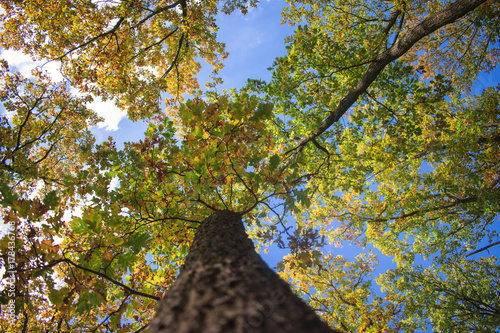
column 24, row 64
column 57, row 240
column 4, row 228
column 106, row 109
column 109, row 111
column 77, row 211
column 114, row 183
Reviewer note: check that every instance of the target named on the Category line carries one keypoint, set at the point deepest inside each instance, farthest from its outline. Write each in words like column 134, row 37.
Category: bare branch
column 392, row 20
column 93, row 39
column 161, row 10
column 423, row 211
column 142, row 328
column 199, row 200
column 483, row 248
column 174, row 62
column 154, row 44
column 127, row 288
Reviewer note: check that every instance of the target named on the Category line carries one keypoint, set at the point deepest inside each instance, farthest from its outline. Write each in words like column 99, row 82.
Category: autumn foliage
column 371, row 133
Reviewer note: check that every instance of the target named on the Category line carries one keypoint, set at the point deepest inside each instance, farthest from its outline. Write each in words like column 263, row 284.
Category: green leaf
column 7, row 195
column 264, row 111
column 191, row 177
column 303, row 197
column 116, row 240
column 51, row 199
column 56, row 297
column 274, row 161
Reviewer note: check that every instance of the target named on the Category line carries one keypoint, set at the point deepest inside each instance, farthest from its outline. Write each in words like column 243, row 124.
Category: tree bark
column 225, row 286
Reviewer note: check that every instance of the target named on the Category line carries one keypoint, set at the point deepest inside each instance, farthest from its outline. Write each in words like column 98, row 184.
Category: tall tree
column 224, row 286
column 101, row 234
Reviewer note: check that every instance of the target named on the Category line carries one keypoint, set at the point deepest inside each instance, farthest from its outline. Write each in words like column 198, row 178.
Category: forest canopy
column 369, row 133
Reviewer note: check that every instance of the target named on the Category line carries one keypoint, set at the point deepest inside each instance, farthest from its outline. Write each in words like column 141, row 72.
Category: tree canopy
column 369, row 133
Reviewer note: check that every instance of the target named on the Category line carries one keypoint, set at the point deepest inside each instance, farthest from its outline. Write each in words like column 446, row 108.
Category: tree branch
column 483, row 248
column 127, row 288
column 154, row 44
column 91, row 40
column 181, row 40
column 142, row 328
column 447, row 15
column 392, row 19
column 161, row 10
column 423, row 211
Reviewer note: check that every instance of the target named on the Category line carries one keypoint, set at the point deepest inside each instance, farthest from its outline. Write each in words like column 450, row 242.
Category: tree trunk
column 225, row 286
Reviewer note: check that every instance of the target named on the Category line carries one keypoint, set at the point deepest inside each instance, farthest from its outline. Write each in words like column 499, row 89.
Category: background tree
column 412, row 171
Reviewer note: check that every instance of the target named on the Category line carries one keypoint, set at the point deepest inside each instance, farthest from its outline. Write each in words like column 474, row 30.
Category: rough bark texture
column 224, row 286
